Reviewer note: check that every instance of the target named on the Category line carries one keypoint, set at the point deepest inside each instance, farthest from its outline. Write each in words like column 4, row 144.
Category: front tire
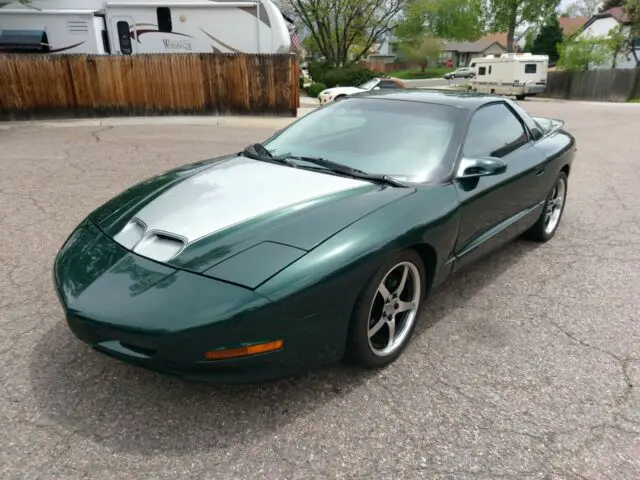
column 386, row 311
column 547, row 225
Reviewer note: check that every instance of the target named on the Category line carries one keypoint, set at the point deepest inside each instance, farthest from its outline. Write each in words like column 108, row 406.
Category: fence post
column 635, row 91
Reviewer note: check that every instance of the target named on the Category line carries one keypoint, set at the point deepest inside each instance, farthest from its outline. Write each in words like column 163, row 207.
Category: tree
column 462, row 20
column 547, row 41
column 420, row 50
column 631, row 39
column 336, row 26
column 582, row 8
column 580, row 53
column 529, row 38
column 510, row 14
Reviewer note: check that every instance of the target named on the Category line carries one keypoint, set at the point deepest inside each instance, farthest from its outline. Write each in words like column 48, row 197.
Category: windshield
column 369, row 84
column 410, row 141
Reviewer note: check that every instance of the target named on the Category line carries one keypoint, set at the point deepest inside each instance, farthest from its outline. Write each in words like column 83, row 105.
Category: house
column 385, row 51
column 600, row 24
column 461, row 53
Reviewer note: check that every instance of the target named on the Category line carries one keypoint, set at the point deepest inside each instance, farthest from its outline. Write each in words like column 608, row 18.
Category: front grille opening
column 149, row 352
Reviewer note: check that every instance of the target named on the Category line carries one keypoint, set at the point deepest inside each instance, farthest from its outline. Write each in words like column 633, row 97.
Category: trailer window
column 124, row 38
column 164, row 19
column 482, row 70
column 530, row 68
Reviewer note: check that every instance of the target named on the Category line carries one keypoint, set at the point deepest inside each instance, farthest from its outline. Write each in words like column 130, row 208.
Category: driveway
column 524, row 366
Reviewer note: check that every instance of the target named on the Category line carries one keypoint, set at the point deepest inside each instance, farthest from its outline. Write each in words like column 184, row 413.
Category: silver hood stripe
column 225, row 195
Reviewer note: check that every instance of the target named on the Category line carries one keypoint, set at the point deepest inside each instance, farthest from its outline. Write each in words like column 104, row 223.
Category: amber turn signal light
column 244, row 351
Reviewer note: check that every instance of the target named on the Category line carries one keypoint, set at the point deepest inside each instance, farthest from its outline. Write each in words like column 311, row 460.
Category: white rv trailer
column 518, row 74
column 126, row 27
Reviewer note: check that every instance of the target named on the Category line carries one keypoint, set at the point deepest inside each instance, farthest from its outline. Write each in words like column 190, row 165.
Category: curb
column 216, row 121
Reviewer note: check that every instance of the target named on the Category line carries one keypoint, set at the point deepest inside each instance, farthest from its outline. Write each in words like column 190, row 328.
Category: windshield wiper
column 345, row 170
column 257, row 151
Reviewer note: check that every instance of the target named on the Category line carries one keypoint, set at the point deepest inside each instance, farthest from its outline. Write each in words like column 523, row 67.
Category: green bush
column 317, row 70
column 315, row 89
column 350, row 76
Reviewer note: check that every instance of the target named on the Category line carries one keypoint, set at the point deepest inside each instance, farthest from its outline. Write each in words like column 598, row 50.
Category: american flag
column 294, row 39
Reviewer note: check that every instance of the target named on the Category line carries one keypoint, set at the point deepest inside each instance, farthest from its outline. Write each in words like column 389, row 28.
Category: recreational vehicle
column 518, row 74
column 127, row 27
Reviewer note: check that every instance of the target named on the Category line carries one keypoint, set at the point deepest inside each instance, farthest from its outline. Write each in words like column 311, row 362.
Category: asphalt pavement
column 524, row 366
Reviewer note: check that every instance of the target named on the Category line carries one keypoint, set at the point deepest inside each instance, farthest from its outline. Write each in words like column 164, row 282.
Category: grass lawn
column 634, row 100
column 415, row 73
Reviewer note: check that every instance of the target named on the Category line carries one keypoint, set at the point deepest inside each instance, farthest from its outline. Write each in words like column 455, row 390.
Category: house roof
column 469, row 47
column 616, row 12
column 500, row 37
column 570, row 25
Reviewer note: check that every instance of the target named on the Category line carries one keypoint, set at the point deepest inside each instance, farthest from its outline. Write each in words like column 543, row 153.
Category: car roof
column 460, row 99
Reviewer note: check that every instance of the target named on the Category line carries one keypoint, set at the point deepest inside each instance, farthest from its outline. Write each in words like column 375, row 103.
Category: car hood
column 201, row 215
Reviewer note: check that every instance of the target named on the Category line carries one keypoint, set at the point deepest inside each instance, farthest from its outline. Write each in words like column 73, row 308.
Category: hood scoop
column 131, row 234
column 154, row 245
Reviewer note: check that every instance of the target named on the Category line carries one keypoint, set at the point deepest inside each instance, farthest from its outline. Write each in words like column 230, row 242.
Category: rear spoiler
column 549, row 125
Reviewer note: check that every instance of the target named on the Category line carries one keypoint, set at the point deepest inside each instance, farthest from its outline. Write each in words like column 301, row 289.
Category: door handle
column 540, row 170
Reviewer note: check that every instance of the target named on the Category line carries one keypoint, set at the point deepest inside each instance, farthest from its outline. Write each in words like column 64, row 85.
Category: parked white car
column 332, row 94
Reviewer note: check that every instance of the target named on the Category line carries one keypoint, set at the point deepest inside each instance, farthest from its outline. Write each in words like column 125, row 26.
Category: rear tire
column 547, row 224
column 520, row 97
column 386, row 311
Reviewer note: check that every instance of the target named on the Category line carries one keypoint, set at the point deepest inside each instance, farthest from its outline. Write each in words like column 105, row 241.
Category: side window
column 482, row 70
column 494, row 131
column 534, row 128
column 530, row 68
column 124, row 38
column 489, row 69
column 387, row 84
column 164, row 19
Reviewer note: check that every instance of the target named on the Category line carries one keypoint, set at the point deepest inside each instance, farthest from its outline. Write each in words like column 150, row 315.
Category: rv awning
column 23, row 41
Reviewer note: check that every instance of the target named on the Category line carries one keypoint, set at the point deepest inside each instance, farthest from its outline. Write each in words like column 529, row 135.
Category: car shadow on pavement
column 129, row 409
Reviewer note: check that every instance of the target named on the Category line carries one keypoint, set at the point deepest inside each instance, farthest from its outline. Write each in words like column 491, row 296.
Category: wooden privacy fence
column 190, row 83
column 617, row 85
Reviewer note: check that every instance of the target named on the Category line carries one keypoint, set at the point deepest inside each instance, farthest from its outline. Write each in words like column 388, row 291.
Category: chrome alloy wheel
column 555, row 206
column 394, row 308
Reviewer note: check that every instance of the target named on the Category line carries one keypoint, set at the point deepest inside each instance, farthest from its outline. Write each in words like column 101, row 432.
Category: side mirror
column 480, row 167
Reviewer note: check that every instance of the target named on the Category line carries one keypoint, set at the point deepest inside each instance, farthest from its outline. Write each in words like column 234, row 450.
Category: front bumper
column 163, row 319
column 325, row 99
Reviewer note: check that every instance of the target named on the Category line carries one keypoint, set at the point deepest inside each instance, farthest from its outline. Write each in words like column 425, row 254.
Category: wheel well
column 565, row 169
column 429, row 260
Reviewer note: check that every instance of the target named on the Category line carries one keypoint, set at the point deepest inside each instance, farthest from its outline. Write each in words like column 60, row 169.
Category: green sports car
column 317, row 245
